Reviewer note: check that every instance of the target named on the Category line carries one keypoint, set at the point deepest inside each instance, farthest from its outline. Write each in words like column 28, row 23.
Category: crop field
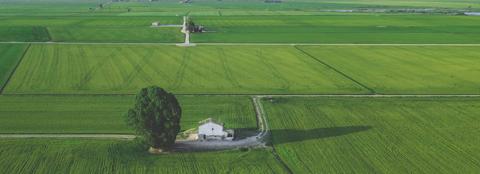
column 89, row 29
column 376, row 135
column 341, row 28
column 212, row 7
column 407, row 69
column 9, row 57
column 353, row 86
column 322, row 28
column 114, row 69
column 108, row 156
column 105, row 114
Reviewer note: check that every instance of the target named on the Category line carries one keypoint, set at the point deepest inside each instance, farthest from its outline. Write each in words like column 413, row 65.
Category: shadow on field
column 281, row 136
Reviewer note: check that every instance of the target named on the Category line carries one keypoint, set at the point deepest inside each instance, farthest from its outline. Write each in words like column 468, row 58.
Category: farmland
column 105, row 114
column 406, row 69
column 341, row 28
column 345, row 86
column 321, row 28
column 383, row 135
column 124, row 69
column 109, row 156
column 9, row 58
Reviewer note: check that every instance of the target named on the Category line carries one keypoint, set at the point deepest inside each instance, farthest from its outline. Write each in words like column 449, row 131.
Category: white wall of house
column 211, row 129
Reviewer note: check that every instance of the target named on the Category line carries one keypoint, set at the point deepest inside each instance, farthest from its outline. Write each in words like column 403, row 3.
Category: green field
column 74, row 67
column 96, row 156
column 321, row 28
column 105, row 114
column 407, row 69
column 376, row 135
column 341, row 28
column 88, row 29
column 215, row 7
column 10, row 55
column 113, row 69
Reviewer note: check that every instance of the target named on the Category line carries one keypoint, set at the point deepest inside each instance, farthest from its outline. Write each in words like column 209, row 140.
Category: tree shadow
column 281, row 136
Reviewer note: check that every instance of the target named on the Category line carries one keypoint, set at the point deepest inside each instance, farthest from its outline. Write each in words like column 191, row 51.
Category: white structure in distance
column 211, row 129
column 187, row 34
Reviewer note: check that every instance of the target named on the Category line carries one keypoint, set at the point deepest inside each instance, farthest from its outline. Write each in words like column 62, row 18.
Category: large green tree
column 155, row 118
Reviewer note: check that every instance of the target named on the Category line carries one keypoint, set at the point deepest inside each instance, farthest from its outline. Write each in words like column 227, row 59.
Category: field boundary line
column 271, row 95
column 242, row 43
column 335, row 69
column 95, row 136
column 4, row 85
column 48, row 34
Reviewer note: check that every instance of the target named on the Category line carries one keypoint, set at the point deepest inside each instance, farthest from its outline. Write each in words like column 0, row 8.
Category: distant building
column 472, row 13
column 211, row 129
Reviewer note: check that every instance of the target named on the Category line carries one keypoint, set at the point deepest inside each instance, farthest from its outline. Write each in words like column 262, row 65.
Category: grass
column 105, row 114
column 24, row 34
column 10, row 55
column 212, row 7
column 341, row 28
column 124, row 69
column 376, row 135
column 406, row 69
column 96, row 156
column 89, row 29
column 282, row 27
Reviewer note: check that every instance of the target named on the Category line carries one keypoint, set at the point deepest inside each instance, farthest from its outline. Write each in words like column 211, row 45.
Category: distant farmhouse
column 211, row 129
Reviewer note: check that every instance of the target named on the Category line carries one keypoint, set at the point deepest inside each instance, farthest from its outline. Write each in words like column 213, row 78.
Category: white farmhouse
column 210, row 129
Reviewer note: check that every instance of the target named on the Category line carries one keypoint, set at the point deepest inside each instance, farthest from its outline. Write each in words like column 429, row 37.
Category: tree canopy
column 155, row 117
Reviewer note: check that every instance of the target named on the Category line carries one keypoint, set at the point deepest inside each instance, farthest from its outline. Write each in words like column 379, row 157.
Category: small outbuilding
column 155, row 24
column 211, row 129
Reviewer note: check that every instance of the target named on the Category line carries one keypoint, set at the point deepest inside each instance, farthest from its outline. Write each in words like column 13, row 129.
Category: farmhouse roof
column 210, row 120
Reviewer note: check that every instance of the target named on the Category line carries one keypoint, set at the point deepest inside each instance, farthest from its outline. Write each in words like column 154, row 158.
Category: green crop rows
column 407, row 69
column 73, row 67
column 9, row 58
column 97, row 156
column 105, row 114
column 113, row 69
column 369, row 135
